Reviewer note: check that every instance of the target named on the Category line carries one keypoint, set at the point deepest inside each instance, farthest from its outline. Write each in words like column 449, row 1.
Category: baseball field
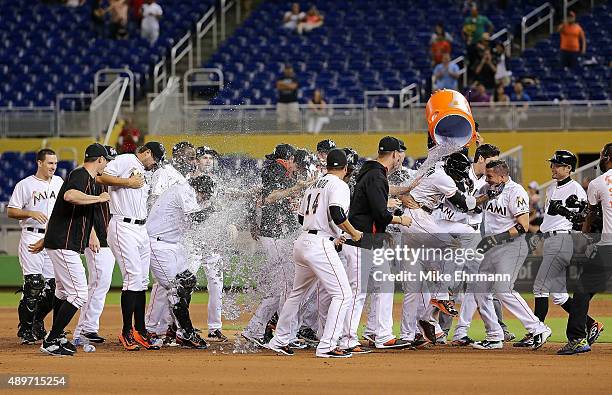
column 227, row 368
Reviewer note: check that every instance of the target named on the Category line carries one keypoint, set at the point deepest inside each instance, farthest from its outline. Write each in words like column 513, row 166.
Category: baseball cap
column 205, row 150
column 282, row 151
column 326, row 145
column 389, row 144
column 533, row 185
column 181, row 146
column 111, row 151
column 157, row 151
column 336, row 158
column 97, row 150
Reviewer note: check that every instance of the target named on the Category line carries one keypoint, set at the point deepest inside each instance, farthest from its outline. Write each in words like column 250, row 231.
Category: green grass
column 557, row 324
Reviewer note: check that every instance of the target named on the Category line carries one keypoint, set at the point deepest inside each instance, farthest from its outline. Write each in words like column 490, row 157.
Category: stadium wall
column 538, row 146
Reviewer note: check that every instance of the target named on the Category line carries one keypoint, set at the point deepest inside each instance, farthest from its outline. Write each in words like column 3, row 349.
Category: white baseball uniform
column 316, row 258
column 599, row 190
column 507, row 258
column 35, row 194
column 127, row 234
column 558, row 244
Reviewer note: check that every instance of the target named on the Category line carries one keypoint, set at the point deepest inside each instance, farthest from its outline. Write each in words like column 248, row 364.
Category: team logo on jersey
column 495, row 209
column 520, row 201
column 448, row 212
column 38, row 196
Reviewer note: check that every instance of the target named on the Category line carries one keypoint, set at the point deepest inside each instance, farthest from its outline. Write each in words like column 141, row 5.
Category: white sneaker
column 488, row 345
column 541, row 338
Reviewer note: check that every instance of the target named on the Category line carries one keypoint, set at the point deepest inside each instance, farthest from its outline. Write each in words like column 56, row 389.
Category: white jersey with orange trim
column 35, row 194
column 600, row 191
column 328, row 191
column 127, row 202
column 500, row 213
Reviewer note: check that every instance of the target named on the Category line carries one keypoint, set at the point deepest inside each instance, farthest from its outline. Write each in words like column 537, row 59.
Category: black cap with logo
column 326, row 145
column 111, row 150
column 205, row 150
column 336, row 158
column 282, row 151
column 157, row 151
column 390, row 144
column 97, row 150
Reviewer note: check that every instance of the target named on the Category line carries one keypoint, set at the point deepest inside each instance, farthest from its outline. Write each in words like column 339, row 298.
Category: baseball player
column 369, row 214
column 556, row 229
column 128, row 239
column 506, row 218
column 100, row 263
column 68, row 234
column 323, row 217
column 323, row 148
column 598, row 271
column 168, row 220
column 31, row 203
column 278, row 224
column 158, row 318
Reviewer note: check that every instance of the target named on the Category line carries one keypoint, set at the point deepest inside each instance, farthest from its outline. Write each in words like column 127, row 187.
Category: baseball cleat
column 419, row 341
column 541, row 338
column 395, row 343
column 149, row 340
column 93, row 337
column 428, row 330
column 441, row 338
column 298, row 345
column 128, row 342
column 191, row 341
column 445, row 306
column 67, row 344
column 488, row 345
column 594, row 332
column 27, row 337
column 335, row 353
column 255, row 341
column 217, row 336
column 577, row 346
column 358, row 350
column 509, row 336
column 54, row 347
column 526, row 341
column 308, row 335
column 370, row 337
column 284, row 350
column 464, row 341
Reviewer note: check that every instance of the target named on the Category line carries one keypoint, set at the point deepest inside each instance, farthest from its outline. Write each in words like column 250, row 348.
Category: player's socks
column 140, row 307
column 541, row 308
column 567, row 306
column 57, row 305
column 64, row 316
column 128, row 300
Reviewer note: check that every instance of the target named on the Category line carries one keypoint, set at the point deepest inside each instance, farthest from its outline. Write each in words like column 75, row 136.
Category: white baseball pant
column 100, row 269
column 315, row 258
column 213, row 268
column 130, row 246
column 34, row 263
column 556, row 257
column 279, row 262
column 359, row 262
column 505, row 259
column 70, row 279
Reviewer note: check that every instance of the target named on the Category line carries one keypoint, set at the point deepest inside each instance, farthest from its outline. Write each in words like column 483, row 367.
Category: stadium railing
column 514, row 158
column 544, row 13
column 165, row 109
column 105, row 108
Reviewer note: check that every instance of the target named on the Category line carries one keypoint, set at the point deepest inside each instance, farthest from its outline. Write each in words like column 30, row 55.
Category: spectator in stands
column 500, row 57
column 519, row 94
column 293, row 18
column 485, row 71
column 97, row 18
column 317, row 112
column 440, row 43
column 287, row 108
column 118, row 10
column 313, row 20
column 499, row 96
column 128, row 138
column 446, row 74
column 475, row 25
column 499, row 101
column 149, row 28
column 478, row 94
column 573, row 41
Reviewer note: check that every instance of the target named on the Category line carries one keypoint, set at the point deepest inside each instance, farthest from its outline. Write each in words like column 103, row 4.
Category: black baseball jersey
column 101, row 216
column 278, row 219
column 70, row 225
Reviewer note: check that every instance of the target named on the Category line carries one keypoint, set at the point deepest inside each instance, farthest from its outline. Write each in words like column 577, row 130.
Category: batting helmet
column 563, row 157
column 326, row 145
column 351, row 157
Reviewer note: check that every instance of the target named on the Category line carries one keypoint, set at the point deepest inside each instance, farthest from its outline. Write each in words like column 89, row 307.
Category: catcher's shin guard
column 33, row 285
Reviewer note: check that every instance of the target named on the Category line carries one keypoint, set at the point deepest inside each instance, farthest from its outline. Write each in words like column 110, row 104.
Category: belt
column 314, row 232
column 546, row 235
column 134, row 221
column 35, row 230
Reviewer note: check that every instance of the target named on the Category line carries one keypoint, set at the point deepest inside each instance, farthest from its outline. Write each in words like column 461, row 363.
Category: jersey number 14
column 315, row 204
